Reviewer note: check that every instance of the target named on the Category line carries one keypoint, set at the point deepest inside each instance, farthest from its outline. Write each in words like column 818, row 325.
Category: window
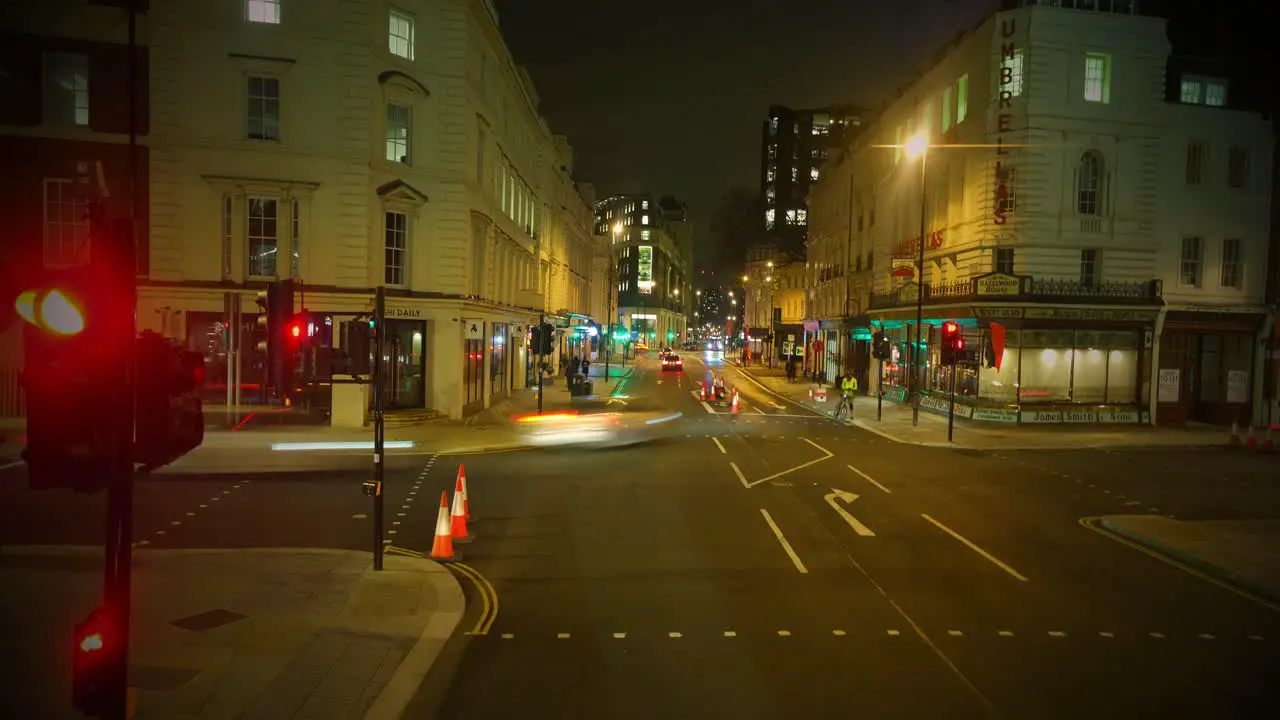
column 1192, row 91
column 66, row 89
column 773, row 126
column 295, row 239
column 397, row 248
column 264, row 108
column 644, row 204
column 1237, row 167
column 791, row 217
column 770, row 194
column 1196, row 152
column 946, row 108
column 66, row 225
column 1089, row 184
column 795, row 173
column 400, row 37
column 1192, row 258
column 1004, row 261
column 1009, row 202
column 1097, row 77
column 1089, row 270
column 1231, row 264
column 769, row 216
column 1215, row 94
column 228, row 234
column 1011, row 74
column 813, row 173
column 802, row 216
column 263, row 238
column 962, row 98
column 644, row 219
column 770, row 173
column 773, row 151
column 262, row 11
column 399, row 122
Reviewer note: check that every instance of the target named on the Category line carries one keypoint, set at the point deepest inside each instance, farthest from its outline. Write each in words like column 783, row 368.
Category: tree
column 736, row 224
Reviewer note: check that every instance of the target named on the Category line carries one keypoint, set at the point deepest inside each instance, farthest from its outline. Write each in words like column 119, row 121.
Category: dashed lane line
column 897, row 633
column 161, row 532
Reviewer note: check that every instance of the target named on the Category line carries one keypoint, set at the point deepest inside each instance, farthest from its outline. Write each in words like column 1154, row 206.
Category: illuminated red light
column 296, row 331
column 959, row 343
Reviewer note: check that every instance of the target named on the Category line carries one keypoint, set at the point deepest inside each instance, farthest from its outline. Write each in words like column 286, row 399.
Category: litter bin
column 577, row 384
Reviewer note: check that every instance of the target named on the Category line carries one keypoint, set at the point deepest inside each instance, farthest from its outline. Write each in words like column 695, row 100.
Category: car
column 671, row 361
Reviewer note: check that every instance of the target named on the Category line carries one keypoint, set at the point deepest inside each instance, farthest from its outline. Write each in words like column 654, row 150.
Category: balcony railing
column 1040, row 290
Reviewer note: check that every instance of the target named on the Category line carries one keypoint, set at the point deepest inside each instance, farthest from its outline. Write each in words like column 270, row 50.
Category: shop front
column 1206, row 367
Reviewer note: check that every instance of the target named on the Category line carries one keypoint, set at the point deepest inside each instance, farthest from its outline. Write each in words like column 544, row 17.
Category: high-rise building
column 793, row 146
column 652, row 254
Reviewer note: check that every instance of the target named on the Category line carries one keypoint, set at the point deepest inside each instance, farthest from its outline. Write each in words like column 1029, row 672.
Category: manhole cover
column 208, row 620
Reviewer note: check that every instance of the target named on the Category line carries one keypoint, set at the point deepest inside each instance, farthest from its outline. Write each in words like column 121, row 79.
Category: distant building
column 793, row 146
column 1112, row 228
column 652, row 244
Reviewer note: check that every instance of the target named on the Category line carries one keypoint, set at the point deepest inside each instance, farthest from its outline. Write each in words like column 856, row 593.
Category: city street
column 772, row 562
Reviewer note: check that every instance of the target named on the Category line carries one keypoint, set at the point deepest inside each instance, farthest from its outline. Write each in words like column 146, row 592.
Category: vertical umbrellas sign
column 644, row 269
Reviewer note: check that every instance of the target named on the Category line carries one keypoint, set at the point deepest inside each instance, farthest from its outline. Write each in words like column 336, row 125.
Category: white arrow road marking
column 847, row 498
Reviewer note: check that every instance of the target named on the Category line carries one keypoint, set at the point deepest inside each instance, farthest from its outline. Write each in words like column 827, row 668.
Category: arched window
column 1089, row 184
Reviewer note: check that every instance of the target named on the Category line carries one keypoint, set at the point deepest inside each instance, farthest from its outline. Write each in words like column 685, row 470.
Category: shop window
column 1046, row 366
column 1002, row 386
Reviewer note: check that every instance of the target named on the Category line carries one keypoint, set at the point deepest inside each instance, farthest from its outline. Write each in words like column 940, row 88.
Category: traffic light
column 880, row 346
column 544, row 339
column 952, row 346
column 671, row 335
column 170, row 416
column 275, row 322
column 96, row 664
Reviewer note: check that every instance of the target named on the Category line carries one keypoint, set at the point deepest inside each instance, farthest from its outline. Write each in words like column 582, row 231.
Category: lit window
column 813, row 173
column 397, row 247
column 791, row 217
column 1215, row 94
column 1191, row 92
column 769, row 216
column 770, row 193
column 263, row 236
column 1011, row 74
column 66, row 225
column 400, row 39
column 399, row 121
column 66, row 89
column 644, row 204
column 263, row 108
column 802, row 216
column 795, row 173
column 644, row 219
column 262, row 11
column 770, row 174
column 962, row 98
column 1097, row 78
column 773, row 151
column 773, row 126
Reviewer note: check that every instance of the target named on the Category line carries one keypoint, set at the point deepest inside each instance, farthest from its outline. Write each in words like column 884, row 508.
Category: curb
column 1252, row 589
column 403, row 685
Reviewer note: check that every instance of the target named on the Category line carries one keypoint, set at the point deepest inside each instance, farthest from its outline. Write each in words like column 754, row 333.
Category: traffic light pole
column 879, row 390
column 951, row 410
column 542, row 319
column 379, row 421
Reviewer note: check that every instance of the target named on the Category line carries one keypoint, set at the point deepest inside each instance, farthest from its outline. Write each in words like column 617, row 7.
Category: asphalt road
column 771, row 563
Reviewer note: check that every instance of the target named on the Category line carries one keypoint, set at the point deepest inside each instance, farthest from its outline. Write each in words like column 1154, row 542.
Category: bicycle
column 844, row 408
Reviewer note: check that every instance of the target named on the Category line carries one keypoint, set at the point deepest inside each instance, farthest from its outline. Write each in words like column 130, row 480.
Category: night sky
column 668, row 96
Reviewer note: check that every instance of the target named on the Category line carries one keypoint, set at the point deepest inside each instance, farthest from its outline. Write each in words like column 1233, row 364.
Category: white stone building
column 1117, row 235
column 349, row 144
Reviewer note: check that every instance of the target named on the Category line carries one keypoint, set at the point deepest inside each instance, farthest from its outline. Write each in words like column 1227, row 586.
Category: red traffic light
column 959, row 343
column 950, row 328
column 295, row 330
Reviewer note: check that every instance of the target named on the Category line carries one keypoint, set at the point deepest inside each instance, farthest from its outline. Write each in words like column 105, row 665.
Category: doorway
column 404, row 364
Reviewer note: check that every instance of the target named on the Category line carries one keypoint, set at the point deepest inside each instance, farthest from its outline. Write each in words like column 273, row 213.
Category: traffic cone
column 466, row 496
column 1251, row 442
column 458, row 524
column 702, row 393
column 1269, row 445
column 442, row 548
column 1235, row 433
column 733, row 404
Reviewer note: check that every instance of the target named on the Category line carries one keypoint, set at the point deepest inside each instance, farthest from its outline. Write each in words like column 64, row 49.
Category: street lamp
column 918, row 146
column 613, row 284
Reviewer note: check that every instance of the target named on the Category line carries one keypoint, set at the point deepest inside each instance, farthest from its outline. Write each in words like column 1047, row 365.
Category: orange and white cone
column 1235, row 433
column 442, row 547
column 466, row 496
column 702, row 393
column 733, row 404
column 1251, row 442
column 458, row 520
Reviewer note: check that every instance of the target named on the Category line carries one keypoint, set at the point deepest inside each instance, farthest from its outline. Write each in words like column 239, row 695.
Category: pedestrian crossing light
column 952, row 343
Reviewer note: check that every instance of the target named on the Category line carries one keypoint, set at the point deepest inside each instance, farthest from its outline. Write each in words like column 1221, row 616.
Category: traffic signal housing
column 275, row 327
column 952, row 345
column 96, row 663
column 880, row 346
column 169, row 419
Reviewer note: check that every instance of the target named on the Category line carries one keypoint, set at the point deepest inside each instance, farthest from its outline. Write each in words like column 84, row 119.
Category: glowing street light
column 917, row 145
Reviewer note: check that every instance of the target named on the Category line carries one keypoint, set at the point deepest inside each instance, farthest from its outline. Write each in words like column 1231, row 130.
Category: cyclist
column 848, row 387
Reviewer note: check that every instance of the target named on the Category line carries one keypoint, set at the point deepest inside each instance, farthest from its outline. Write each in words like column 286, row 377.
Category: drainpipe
column 1153, row 372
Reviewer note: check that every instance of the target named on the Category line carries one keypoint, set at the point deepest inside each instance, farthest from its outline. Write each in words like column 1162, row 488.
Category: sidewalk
column 896, row 425
column 1238, row 552
column 258, row 633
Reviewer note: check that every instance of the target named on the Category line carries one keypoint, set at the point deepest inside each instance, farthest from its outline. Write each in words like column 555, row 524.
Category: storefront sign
column 473, row 328
column 939, row 405
column 998, row 313
column 1082, row 416
column 1004, row 118
column 1168, row 386
column 1237, row 386
column 911, row 248
column 404, row 312
column 644, row 268
column 1090, row 314
column 995, row 415
column 998, row 284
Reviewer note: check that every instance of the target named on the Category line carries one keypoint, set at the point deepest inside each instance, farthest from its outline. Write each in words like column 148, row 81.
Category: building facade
column 1101, row 240
column 793, row 146
column 64, row 134
column 774, row 285
column 652, row 250
column 352, row 146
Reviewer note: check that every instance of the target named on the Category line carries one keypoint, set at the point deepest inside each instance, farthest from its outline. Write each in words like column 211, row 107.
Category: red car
column 672, row 362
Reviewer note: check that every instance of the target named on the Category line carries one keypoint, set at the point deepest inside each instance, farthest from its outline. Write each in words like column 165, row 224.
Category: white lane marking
column 1156, row 635
column 674, row 635
column 784, row 633
column 507, row 636
column 1205, row 636
column 827, row 455
column 716, row 440
column 893, row 633
column 955, row 633
column 758, row 410
column 707, row 407
column 741, row 478
column 795, row 559
column 1105, row 634
column 562, row 636
column 869, row 479
column 1057, row 633
column 838, row 633
column 730, row 633
column 1005, row 633
column 847, row 498
column 619, row 635
column 995, row 561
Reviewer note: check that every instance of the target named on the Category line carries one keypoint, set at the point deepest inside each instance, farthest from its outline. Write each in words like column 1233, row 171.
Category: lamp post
column 608, row 303
column 918, row 146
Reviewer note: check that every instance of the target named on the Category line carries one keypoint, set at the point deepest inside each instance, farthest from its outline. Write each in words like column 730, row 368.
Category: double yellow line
column 488, row 595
